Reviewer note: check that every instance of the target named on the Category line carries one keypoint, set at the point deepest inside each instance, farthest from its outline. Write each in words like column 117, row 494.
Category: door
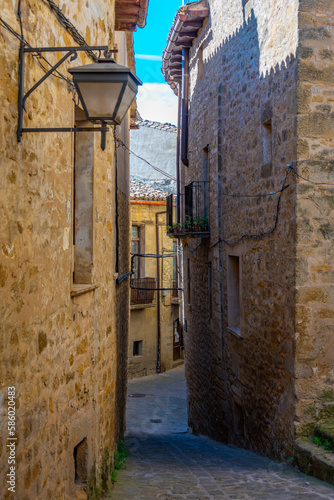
column 176, row 340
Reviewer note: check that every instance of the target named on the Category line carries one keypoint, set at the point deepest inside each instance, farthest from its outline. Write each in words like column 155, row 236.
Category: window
column 188, row 280
column 83, row 207
column 138, row 348
column 80, row 454
column 205, row 179
column 174, row 260
column 238, row 417
column 233, row 293
column 135, row 248
column 176, row 340
column 267, row 142
column 210, row 287
column 200, row 62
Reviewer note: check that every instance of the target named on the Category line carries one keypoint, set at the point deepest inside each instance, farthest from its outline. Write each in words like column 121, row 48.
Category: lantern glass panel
column 127, row 99
column 102, row 103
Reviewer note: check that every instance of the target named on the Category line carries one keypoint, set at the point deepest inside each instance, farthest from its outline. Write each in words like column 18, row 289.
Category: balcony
column 194, row 212
column 143, row 291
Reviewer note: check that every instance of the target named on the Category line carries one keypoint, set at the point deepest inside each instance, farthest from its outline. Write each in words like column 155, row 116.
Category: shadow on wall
column 237, row 389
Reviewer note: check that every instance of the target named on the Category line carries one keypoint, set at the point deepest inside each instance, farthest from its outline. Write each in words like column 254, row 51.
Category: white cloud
column 148, row 57
column 157, row 102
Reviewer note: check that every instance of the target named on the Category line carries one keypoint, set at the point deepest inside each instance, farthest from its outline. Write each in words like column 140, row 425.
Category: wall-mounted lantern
column 106, row 90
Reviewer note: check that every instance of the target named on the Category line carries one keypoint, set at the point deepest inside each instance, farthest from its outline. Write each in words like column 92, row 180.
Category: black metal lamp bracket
column 22, row 97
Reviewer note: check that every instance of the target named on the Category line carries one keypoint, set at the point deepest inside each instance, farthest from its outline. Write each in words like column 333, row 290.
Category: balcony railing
column 143, row 290
column 194, row 210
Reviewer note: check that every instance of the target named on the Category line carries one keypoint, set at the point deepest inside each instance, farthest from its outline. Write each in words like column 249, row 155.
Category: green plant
column 204, row 223
column 120, row 456
column 195, row 224
column 113, row 476
column 175, row 228
column 318, row 441
column 328, row 445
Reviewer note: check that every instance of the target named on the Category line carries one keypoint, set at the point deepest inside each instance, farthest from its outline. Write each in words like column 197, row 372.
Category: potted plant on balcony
column 203, row 224
column 198, row 224
column 187, row 224
column 176, row 228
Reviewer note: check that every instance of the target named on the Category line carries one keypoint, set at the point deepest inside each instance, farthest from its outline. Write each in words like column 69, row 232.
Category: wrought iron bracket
column 22, row 97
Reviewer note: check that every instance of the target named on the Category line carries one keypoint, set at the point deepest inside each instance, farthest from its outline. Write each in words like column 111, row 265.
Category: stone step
column 325, row 430
column 314, row 460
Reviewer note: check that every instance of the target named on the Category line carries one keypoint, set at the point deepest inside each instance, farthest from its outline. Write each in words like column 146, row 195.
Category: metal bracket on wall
column 22, row 97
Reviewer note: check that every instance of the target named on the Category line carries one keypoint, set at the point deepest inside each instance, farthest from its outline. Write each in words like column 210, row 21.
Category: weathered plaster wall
column 241, row 386
column 62, row 353
column 315, row 232
column 143, row 319
column 158, row 147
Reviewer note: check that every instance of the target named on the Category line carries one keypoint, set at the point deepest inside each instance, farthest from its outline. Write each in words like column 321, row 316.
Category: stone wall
column 64, row 351
column 315, row 232
column 243, row 108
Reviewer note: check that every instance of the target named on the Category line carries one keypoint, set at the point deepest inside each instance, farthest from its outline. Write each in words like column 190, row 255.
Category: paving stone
column 167, row 465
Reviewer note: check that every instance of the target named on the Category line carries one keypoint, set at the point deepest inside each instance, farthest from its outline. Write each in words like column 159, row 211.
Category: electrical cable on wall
column 66, row 23
column 290, row 169
column 228, row 195
column 37, row 57
column 119, row 140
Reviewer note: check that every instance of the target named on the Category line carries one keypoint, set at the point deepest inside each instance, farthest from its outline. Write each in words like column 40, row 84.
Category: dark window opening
column 267, row 139
column 138, row 348
column 176, row 340
column 80, row 454
column 188, row 279
column 233, row 290
column 200, row 62
column 238, row 419
column 210, row 288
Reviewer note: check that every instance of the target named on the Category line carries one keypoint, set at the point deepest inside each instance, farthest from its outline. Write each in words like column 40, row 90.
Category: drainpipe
column 178, row 173
column 185, row 99
column 158, row 369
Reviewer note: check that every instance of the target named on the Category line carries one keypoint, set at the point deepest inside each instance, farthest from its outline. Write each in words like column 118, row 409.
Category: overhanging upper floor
column 130, row 14
column 188, row 21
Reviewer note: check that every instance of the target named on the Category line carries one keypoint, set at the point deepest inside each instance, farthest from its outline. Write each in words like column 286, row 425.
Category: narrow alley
column 167, row 462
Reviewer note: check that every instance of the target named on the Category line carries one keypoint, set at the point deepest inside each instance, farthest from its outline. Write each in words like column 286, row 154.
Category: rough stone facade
column 260, row 373
column 146, row 202
column 315, row 217
column 63, row 343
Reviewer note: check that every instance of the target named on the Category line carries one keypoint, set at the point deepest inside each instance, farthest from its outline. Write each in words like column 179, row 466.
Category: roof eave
column 130, row 14
column 194, row 12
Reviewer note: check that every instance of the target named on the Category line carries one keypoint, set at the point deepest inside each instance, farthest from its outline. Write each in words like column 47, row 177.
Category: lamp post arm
column 70, row 51
column 41, row 80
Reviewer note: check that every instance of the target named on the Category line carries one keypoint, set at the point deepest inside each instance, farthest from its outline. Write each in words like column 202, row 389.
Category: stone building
column 64, row 242
column 154, row 342
column 156, row 143
column 256, row 90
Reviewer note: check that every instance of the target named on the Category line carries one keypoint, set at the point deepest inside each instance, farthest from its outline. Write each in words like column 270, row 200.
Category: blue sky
column 155, row 100
column 151, row 40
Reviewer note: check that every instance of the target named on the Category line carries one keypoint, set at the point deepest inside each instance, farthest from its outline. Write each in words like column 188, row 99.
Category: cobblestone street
column 167, row 462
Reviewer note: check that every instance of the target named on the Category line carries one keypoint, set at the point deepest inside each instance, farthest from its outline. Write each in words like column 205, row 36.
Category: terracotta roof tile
column 168, row 127
column 142, row 191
